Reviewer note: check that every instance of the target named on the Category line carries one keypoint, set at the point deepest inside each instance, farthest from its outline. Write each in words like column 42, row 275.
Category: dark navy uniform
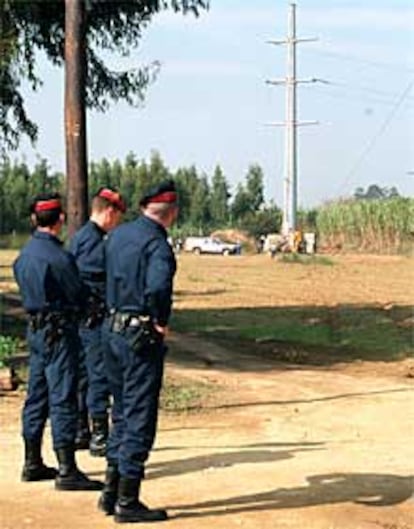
column 140, row 267
column 50, row 285
column 140, row 270
column 53, row 296
column 88, row 248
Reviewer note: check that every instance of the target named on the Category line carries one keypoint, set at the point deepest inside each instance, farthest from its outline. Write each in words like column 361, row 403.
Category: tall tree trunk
column 75, row 114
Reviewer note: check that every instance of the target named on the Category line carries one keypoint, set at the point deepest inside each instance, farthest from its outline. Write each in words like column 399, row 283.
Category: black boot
column 83, row 434
column 97, row 445
column 34, row 469
column 109, row 494
column 128, row 509
column 69, row 476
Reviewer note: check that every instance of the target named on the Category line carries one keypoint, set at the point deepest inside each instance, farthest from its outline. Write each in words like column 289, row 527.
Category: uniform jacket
column 47, row 276
column 140, row 267
column 88, row 248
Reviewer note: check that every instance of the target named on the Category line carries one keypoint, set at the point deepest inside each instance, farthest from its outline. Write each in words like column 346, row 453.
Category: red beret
column 113, row 197
column 47, row 205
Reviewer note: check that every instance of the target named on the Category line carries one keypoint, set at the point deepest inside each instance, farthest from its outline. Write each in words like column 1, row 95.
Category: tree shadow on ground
column 225, row 459
column 208, row 292
column 246, row 454
column 301, row 335
column 263, row 338
column 373, row 490
column 304, row 401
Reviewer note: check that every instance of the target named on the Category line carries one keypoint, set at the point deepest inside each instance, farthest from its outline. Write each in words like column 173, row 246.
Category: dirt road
column 278, row 447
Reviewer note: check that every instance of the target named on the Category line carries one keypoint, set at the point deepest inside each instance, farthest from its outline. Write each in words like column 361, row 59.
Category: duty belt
column 142, row 331
column 122, row 320
column 39, row 320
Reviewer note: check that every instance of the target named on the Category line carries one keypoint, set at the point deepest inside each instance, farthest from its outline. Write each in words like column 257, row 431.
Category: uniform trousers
column 82, row 388
column 93, row 382
column 52, row 387
column 135, row 380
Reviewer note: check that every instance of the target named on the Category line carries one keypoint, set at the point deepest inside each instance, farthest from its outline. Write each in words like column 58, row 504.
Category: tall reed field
column 384, row 226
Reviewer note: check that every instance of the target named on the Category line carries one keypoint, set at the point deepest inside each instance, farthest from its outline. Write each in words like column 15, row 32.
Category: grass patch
column 366, row 333
column 183, row 395
column 8, row 348
column 13, row 241
column 303, row 259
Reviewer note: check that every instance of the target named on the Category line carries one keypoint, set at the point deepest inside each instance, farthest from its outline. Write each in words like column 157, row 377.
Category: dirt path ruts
column 278, row 447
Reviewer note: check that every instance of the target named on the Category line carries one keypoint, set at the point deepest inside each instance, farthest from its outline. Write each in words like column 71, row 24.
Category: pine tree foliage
column 204, row 200
column 112, row 26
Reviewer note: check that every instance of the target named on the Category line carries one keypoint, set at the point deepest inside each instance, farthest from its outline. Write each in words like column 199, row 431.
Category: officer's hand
column 161, row 330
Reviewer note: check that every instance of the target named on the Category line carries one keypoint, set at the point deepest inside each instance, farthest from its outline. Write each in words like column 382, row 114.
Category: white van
column 211, row 245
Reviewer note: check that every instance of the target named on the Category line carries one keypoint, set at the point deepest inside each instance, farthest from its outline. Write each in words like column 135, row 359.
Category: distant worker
column 261, row 243
column 178, row 245
column 310, row 242
column 297, row 241
column 52, row 295
column 88, row 248
column 140, row 270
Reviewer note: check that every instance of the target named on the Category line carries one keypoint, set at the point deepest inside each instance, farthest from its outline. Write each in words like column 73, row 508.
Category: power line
column 352, row 58
column 388, row 98
column 361, row 99
column 370, row 145
column 363, row 88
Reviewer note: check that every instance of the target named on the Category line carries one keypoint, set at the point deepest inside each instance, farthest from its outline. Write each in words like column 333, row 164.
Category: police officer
column 88, row 248
column 52, row 295
column 140, row 266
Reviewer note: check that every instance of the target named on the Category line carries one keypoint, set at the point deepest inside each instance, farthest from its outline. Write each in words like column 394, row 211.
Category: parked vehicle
column 211, row 245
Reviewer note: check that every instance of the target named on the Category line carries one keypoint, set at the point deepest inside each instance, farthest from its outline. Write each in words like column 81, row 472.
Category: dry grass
column 361, row 306
column 258, row 281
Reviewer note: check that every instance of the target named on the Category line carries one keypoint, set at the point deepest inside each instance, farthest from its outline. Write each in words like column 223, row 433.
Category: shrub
column 8, row 347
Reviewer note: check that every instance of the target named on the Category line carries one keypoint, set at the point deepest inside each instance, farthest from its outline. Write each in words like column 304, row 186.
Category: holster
column 95, row 313
column 139, row 330
column 52, row 323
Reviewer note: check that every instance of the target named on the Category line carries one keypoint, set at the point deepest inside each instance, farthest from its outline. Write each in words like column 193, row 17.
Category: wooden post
column 75, row 114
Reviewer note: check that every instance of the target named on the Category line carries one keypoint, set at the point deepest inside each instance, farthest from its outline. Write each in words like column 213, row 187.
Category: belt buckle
column 134, row 321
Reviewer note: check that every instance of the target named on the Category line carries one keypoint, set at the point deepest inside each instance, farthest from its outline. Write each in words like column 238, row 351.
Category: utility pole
column 290, row 188
column 75, row 114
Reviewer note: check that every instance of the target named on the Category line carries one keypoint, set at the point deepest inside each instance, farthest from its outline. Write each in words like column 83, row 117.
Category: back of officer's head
column 46, row 209
column 107, row 197
column 160, row 200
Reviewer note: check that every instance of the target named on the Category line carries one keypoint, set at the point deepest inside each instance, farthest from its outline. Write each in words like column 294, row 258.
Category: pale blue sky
column 210, row 104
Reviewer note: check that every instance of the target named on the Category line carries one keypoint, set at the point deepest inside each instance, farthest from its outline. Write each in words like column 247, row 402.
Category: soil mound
column 236, row 236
